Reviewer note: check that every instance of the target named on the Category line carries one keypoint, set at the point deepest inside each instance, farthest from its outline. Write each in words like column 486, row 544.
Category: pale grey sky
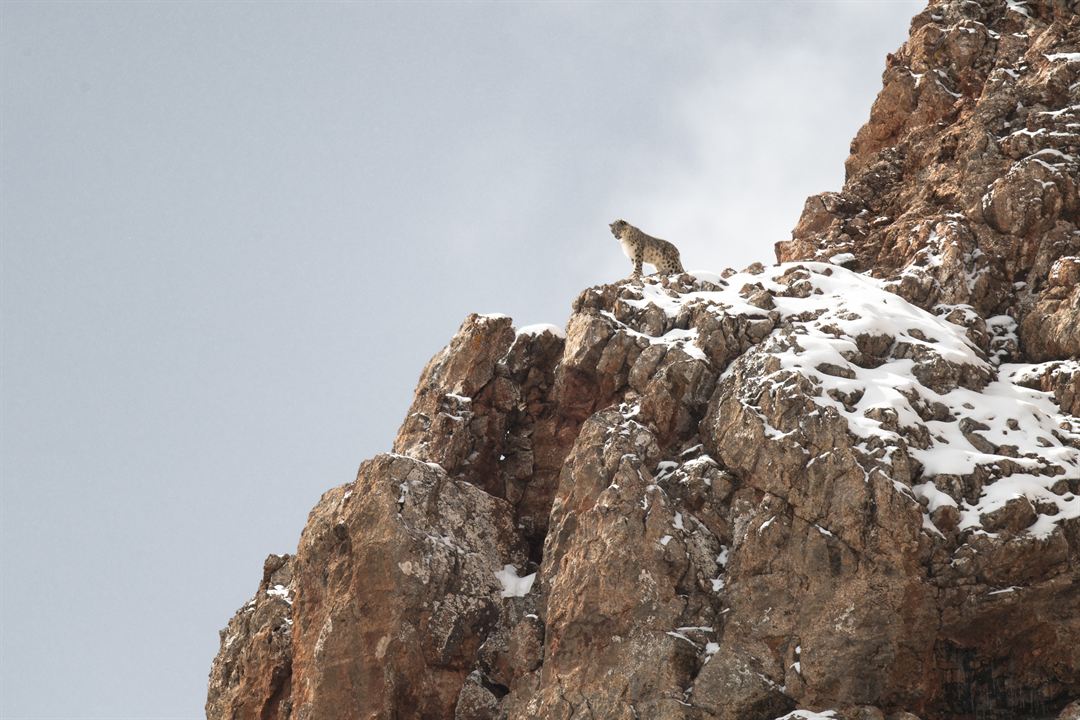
column 232, row 235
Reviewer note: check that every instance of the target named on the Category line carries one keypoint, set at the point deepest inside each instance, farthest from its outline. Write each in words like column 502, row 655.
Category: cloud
column 765, row 124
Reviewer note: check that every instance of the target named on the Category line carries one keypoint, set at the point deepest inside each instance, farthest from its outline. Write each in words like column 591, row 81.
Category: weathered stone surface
column 1071, row 712
column 840, row 485
column 398, row 591
column 1060, row 378
column 963, row 186
column 484, row 412
column 804, row 548
column 722, row 540
column 251, row 675
column 619, row 582
column 476, row 701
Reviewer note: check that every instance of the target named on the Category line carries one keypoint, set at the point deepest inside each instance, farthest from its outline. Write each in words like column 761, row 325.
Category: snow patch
column 514, row 586
column 1018, row 7
column 540, row 329
column 280, row 591
column 996, row 425
column 809, row 715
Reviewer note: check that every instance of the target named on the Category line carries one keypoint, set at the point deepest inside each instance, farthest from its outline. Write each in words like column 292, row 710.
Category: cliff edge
column 844, row 486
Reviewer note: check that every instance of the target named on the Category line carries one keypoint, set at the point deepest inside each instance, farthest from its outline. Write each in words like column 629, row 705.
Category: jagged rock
column 963, row 184
column 1049, row 329
column 840, row 483
column 250, row 677
column 613, row 639
column 1071, row 712
column 798, row 478
column 1060, row 378
column 799, row 554
column 1015, row 515
column 484, row 411
column 476, row 700
column 868, row 712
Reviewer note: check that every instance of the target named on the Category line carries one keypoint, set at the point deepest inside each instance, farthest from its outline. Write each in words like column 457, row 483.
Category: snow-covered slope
column 905, row 378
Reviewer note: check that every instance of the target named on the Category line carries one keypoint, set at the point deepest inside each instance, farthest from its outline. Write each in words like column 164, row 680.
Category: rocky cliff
column 846, row 486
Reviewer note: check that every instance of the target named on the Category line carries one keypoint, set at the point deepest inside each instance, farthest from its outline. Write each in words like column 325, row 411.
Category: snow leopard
column 640, row 248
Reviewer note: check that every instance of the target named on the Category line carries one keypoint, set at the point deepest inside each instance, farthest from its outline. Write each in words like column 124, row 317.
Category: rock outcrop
column 964, row 186
column 845, row 486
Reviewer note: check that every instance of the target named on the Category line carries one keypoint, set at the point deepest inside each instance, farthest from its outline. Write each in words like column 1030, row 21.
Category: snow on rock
column 514, row 586
column 280, row 591
column 889, row 501
column 809, row 715
column 1018, row 7
column 540, row 329
column 901, row 377
column 676, row 338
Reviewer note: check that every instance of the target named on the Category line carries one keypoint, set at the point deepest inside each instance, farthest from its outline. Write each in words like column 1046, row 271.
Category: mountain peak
column 963, row 186
column 843, row 486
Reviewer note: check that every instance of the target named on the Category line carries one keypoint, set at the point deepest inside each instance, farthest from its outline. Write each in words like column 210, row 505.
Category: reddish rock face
column 843, row 487
column 963, row 187
column 250, row 677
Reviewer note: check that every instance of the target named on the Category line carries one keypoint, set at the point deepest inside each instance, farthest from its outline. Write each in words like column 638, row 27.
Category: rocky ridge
column 963, row 187
column 845, row 486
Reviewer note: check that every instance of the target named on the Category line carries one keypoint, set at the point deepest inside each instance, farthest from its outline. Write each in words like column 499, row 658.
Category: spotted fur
column 640, row 248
